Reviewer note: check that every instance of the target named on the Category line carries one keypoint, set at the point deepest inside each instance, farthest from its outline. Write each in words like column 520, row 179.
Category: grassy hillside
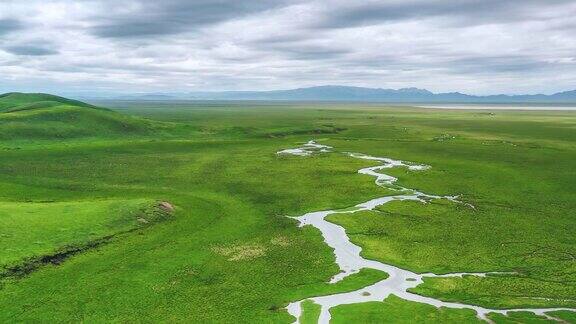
column 31, row 116
column 32, row 231
column 15, row 101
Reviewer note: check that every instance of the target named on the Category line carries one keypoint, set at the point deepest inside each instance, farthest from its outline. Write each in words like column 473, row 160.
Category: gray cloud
column 9, row 25
column 465, row 12
column 314, row 53
column 154, row 18
column 498, row 64
column 306, row 50
column 30, row 50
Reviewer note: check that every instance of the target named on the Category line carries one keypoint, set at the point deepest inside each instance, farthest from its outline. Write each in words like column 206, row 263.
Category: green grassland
column 310, row 312
column 31, row 230
column 397, row 310
column 520, row 317
column 229, row 254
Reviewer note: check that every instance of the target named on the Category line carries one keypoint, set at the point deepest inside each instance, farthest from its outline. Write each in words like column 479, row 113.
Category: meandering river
column 348, row 255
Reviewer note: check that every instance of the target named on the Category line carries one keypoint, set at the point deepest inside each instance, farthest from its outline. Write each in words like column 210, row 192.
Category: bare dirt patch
column 241, row 252
column 166, row 206
column 280, row 241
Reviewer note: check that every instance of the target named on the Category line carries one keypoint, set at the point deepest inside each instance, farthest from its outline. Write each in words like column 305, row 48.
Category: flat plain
column 85, row 184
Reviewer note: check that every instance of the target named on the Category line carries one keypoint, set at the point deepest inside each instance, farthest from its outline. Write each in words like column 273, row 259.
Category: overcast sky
column 473, row 46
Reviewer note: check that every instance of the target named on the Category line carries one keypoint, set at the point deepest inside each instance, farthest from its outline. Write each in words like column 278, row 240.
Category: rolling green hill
column 16, row 101
column 43, row 116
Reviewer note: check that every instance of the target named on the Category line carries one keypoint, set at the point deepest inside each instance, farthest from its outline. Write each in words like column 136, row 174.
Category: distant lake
column 508, row 106
column 204, row 104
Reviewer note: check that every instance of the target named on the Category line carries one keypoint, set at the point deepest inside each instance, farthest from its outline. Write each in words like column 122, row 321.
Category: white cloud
column 180, row 45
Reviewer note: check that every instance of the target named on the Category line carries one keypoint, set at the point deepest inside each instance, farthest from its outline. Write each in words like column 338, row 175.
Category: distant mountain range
column 359, row 94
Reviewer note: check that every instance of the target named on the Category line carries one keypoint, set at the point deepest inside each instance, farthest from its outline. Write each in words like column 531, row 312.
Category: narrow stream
column 348, row 255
